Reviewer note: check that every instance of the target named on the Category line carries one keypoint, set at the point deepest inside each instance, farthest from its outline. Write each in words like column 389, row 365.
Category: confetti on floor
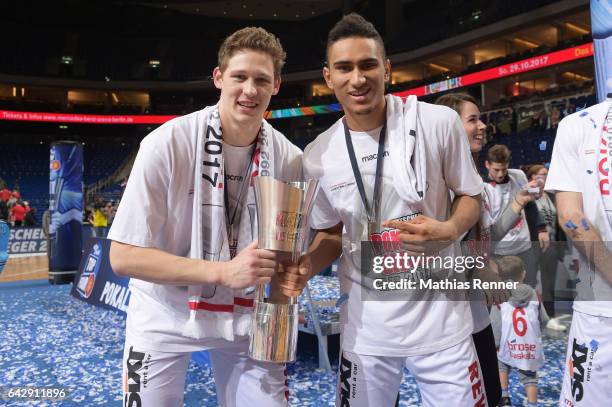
column 48, row 338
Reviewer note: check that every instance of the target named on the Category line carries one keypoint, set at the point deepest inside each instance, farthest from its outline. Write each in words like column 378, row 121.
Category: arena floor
column 49, row 338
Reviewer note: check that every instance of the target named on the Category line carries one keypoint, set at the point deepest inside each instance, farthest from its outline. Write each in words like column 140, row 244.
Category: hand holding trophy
column 282, row 214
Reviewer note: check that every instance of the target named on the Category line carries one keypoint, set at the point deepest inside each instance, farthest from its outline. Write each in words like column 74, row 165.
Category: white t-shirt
column 392, row 328
column 517, row 240
column 236, row 161
column 574, row 168
column 520, row 344
column 156, row 211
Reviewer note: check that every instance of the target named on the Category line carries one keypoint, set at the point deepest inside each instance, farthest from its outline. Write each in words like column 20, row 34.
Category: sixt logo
column 576, row 369
column 346, row 368
column 131, row 384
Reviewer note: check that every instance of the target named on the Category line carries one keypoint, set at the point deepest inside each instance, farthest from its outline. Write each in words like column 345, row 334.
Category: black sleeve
column 534, row 220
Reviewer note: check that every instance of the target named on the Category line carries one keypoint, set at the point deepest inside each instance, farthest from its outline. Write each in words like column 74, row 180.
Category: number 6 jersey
column 520, row 344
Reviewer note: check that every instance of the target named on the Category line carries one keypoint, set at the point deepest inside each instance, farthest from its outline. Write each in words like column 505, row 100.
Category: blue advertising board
column 66, row 208
column 96, row 283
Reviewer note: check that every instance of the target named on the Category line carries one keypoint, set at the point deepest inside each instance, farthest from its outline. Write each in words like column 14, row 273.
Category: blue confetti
column 589, row 171
column 584, row 114
column 543, row 145
column 594, row 345
column 58, row 340
column 342, row 300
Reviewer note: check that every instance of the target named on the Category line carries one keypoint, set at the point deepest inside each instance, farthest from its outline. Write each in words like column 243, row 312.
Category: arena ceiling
column 284, row 10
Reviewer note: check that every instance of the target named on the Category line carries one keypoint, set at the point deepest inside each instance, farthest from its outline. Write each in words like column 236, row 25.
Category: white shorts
column 587, row 380
column 450, row 377
column 152, row 378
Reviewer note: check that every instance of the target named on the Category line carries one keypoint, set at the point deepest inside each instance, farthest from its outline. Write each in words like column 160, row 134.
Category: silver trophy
column 282, row 217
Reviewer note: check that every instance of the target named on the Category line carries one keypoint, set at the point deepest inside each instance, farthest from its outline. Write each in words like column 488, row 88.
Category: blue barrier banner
column 601, row 23
column 27, row 241
column 65, row 205
column 96, row 283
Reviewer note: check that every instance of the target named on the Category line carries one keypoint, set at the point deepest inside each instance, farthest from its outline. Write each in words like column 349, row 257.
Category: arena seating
column 27, row 163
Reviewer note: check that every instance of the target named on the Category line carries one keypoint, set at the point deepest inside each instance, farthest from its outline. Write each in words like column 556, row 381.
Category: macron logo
column 371, row 157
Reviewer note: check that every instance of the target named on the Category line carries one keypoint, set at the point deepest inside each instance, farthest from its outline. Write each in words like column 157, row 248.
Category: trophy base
column 274, row 332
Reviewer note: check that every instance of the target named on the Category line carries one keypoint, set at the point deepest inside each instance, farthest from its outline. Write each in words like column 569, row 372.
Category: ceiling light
column 244, row 6
column 439, row 67
column 526, row 43
column 576, row 28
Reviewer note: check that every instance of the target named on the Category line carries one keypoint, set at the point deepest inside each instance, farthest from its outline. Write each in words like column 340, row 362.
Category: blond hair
column 511, row 268
column 256, row 39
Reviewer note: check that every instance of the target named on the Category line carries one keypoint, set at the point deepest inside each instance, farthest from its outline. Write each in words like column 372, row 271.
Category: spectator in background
column 111, row 209
column 100, row 219
column 488, row 229
column 548, row 259
column 504, row 185
column 5, row 194
column 88, row 216
column 520, row 343
column 30, row 217
column 18, row 213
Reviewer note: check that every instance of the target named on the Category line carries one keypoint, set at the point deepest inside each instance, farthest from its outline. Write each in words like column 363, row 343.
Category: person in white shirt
column 517, row 332
column 184, row 234
column 503, row 186
column 579, row 175
column 385, row 171
column 479, row 239
column 549, row 258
